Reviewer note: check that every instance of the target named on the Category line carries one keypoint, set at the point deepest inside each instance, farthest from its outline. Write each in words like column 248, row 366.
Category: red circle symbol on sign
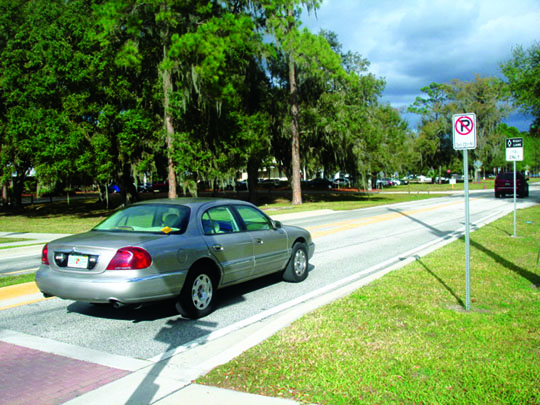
column 464, row 125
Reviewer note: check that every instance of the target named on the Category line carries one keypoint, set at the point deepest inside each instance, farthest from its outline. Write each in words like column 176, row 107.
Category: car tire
column 297, row 268
column 198, row 294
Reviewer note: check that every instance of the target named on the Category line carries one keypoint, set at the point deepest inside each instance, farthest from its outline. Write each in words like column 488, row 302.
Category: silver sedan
column 185, row 249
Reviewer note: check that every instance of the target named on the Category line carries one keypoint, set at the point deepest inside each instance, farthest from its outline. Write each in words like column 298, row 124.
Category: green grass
column 56, row 217
column 16, row 246
column 6, row 281
column 406, row 338
column 5, row 241
column 432, row 188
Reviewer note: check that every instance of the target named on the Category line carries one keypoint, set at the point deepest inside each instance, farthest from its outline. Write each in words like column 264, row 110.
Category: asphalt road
column 20, row 264
column 349, row 245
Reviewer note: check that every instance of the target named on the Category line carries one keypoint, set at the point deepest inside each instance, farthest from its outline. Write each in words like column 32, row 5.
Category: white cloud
column 413, row 43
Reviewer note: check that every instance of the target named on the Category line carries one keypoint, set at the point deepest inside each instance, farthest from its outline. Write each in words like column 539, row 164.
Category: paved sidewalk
column 29, row 376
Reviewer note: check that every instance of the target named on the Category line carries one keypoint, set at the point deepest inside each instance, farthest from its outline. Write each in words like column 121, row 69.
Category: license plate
column 78, row 261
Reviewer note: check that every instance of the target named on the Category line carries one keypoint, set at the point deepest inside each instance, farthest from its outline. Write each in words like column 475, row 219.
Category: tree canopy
column 523, row 74
column 94, row 92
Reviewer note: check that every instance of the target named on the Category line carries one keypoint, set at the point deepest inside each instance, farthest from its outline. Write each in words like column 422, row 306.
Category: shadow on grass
column 533, row 278
column 440, row 280
column 316, row 196
column 80, row 208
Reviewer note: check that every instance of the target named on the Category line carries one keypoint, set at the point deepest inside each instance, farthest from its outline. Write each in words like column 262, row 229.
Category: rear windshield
column 506, row 176
column 154, row 218
column 509, row 176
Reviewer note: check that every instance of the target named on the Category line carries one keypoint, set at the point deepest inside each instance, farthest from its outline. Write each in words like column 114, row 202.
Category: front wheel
column 197, row 297
column 297, row 268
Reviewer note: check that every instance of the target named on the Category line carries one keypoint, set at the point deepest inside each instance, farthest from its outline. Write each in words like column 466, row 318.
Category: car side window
column 219, row 220
column 253, row 219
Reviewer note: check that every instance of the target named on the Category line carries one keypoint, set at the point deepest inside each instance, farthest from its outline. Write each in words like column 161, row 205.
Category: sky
column 412, row 43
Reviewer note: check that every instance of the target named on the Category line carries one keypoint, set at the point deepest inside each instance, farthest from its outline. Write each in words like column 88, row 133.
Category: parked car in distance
column 161, row 186
column 341, row 182
column 269, row 183
column 144, row 188
column 504, row 184
column 320, row 183
column 424, row 179
column 183, row 249
column 241, row 185
column 381, row 183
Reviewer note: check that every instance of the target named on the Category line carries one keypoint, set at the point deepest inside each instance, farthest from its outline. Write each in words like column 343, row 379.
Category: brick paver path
column 29, row 376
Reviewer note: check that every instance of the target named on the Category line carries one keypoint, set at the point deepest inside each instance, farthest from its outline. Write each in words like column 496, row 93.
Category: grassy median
column 407, row 338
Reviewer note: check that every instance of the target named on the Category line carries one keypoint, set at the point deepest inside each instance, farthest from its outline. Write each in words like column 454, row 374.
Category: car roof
column 194, row 202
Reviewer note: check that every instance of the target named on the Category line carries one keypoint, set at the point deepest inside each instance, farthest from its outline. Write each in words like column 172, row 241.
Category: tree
column 484, row 96
column 523, row 74
column 43, row 77
column 196, row 40
column 303, row 51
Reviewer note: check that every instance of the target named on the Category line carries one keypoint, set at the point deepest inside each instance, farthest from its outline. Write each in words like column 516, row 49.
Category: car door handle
column 218, row 248
column 259, row 241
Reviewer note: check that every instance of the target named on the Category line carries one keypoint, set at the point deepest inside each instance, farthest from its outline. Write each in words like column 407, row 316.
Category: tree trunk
column 295, row 132
column 253, row 174
column 127, row 188
column 18, row 187
column 4, row 195
column 167, row 119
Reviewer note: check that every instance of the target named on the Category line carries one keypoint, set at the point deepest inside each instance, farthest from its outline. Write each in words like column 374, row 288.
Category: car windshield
column 160, row 218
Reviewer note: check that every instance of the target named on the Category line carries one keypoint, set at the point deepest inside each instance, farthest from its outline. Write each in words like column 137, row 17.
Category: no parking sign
column 464, row 131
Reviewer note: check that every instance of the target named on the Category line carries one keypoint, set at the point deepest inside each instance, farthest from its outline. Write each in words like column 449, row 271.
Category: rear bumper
column 508, row 190
column 127, row 288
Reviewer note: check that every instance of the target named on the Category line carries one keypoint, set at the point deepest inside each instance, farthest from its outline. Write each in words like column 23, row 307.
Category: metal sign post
column 464, row 137
column 467, row 231
column 515, row 202
column 514, row 152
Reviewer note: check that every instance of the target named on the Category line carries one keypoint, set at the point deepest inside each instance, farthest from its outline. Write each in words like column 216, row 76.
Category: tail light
column 130, row 258
column 44, row 253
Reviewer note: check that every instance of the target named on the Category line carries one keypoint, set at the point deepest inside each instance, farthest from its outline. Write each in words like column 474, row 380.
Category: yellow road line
column 20, row 304
column 27, row 271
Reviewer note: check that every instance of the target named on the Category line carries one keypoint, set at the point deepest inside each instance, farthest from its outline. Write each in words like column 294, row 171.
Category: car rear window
column 510, row 176
column 154, row 218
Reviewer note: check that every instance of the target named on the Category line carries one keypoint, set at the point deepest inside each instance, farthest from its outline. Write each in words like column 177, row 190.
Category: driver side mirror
column 277, row 225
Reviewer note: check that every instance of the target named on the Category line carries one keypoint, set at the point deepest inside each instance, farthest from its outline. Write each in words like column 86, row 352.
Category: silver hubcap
column 201, row 292
column 300, row 262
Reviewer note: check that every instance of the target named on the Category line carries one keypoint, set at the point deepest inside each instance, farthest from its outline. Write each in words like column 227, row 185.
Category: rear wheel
column 297, row 268
column 197, row 297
